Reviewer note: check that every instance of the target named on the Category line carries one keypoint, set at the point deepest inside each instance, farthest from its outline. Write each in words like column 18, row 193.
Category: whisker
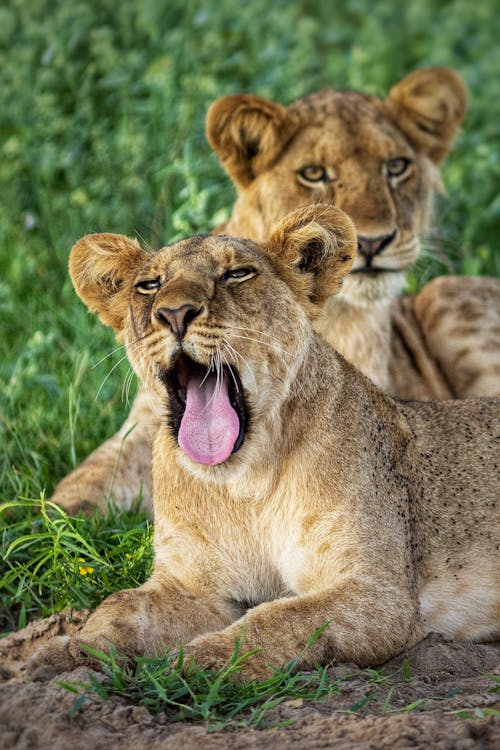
column 220, row 372
column 212, row 366
column 254, row 330
column 128, row 384
column 124, row 384
column 110, row 354
column 257, row 341
column 230, row 369
column 236, row 353
column 109, row 374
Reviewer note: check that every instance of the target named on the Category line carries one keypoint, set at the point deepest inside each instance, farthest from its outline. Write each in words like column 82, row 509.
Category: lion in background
column 377, row 159
column 291, row 495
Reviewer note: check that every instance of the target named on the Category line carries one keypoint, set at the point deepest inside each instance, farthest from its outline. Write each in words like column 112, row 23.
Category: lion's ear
column 428, row 106
column 102, row 268
column 247, row 133
column 318, row 244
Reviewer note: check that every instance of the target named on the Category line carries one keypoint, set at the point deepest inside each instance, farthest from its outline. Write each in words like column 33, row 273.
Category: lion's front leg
column 352, row 623
column 459, row 317
column 148, row 621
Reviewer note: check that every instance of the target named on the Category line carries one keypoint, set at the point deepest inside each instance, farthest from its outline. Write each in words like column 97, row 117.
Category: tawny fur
column 343, row 508
column 425, row 347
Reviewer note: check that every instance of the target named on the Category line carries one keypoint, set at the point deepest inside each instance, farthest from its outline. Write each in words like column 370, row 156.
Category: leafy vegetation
column 222, row 700
column 101, row 122
column 217, row 698
column 50, row 562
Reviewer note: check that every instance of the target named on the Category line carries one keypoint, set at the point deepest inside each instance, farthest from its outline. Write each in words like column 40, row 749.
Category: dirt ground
column 449, row 676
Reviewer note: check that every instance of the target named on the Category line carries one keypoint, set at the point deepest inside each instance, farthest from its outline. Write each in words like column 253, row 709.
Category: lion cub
column 289, row 492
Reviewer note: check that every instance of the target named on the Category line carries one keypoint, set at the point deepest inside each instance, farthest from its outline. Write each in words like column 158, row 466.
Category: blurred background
column 102, row 107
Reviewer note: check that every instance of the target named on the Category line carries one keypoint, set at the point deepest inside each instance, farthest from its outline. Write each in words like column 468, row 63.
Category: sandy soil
column 448, row 675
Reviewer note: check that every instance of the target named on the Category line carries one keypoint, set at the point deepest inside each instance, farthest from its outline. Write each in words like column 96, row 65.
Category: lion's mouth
column 208, row 413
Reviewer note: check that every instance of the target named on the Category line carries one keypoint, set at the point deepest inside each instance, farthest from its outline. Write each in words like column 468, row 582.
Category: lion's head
column 218, row 327
column 376, row 159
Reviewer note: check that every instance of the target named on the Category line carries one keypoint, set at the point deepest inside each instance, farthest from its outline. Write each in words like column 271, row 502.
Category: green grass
column 102, row 108
column 218, row 698
column 221, row 700
column 50, row 562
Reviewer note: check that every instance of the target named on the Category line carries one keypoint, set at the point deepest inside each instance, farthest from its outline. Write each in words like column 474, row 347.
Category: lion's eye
column 397, row 167
column 148, row 286
column 240, row 274
column 313, row 173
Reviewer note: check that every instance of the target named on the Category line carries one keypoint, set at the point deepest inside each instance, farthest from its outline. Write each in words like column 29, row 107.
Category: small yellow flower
column 127, row 555
column 84, row 570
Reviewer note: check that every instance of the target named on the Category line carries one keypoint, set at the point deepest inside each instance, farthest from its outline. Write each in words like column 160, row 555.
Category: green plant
column 50, row 561
column 219, row 698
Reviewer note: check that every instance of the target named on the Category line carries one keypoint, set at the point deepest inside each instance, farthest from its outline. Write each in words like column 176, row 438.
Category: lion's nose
column 370, row 246
column 177, row 318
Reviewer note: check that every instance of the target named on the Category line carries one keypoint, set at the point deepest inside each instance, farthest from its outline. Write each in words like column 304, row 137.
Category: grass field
column 101, row 120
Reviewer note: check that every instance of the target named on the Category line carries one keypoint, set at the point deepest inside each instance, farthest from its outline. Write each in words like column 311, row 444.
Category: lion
column 378, row 160
column 291, row 495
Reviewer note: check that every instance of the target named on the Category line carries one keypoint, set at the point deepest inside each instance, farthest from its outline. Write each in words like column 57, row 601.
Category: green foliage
column 222, row 700
column 49, row 561
column 218, row 698
column 102, row 107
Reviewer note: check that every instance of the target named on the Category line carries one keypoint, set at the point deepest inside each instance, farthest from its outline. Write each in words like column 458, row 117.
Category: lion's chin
column 363, row 290
column 207, row 409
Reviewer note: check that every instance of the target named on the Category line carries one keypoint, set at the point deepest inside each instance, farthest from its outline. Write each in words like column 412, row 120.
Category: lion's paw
column 60, row 654
column 215, row 651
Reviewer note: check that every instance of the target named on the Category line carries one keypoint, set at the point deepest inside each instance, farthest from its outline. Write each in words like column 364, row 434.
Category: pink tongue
column 210, row 426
